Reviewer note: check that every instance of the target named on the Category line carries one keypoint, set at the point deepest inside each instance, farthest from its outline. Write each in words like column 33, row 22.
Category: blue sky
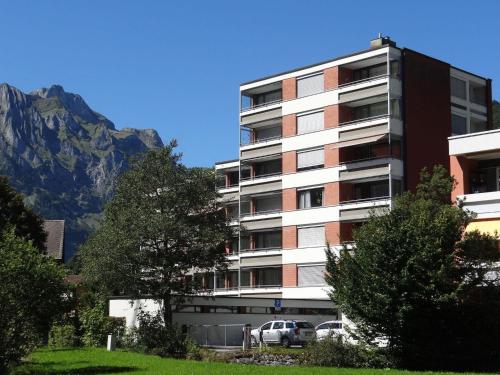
column 176, row 66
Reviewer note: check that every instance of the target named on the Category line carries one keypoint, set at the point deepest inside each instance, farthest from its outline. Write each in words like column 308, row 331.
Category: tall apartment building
column 323, row 145
column 320, row 147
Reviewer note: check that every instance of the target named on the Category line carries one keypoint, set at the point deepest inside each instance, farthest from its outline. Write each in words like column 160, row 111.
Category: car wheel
column 285, row 342
column 254, row 341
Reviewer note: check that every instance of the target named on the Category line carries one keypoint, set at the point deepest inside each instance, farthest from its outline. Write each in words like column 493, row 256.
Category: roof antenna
column 379, row 35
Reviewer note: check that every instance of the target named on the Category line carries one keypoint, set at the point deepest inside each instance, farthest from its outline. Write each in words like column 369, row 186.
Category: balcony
column 379, row 148
column 479, row 142
column 261, row 204
column 261, row 278
column 261, row 97
column 261, row 168
column 368, row 69
column 261, row 241
column 227, row 281
column 264, row 132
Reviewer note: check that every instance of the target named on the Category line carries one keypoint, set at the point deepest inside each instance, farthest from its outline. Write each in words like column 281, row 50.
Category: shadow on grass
column 79, row 371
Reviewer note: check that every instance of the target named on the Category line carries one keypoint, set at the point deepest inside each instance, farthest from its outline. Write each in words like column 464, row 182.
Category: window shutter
column 310, row 158
column 310, row 123
column 310, row 85
column 311, row 275
column 311, row 236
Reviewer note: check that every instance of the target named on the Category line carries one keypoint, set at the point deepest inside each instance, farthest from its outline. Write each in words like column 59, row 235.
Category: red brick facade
column 289, row 237
column 289, row 275
column 331, row 116
column 289, row 89
column 289, row 162
column 289, row 199
column 331, row 155
column 289, row 125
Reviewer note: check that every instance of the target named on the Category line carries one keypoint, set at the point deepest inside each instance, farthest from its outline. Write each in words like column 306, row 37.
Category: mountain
column 63, row 156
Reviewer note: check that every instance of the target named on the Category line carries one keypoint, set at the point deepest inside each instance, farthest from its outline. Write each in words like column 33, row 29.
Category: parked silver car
column 330, row 328
column 284, row 332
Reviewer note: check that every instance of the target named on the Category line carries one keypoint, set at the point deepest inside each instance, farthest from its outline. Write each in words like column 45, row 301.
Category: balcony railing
column 371, row 118
column 374, row 78
column 363, row 200
column 257, row 286
column 256, row 177
column 261, row 105
column 260, row 140
column 262, row 249
column 264, row 212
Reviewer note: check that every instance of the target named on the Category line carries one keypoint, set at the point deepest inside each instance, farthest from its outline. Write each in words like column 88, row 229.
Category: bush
column 335, row 352
column 154, row 337
column 96, row 325
column 63, row 336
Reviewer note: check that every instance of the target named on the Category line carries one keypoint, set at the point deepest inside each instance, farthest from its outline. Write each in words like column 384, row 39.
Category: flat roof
column 226, row 161
column 349, row 55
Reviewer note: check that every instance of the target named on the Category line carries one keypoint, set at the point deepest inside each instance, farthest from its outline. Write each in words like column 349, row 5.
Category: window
column 311, row 236
column 268, row 204
column 310, row 159
column 304, row 325
column 289, row 325
column 310, row 85
column 335, row 325
column 311, row 275
column 267, row 276
column 370, row 110
column 478, row 125
column 371, row 71
column 310, row 122
column 266, row 326
column 458, row 88
column 267, row 97
column 310, row 198
column 458, row 124
column 278, row 325
column 267, row 133
column 477, row 93
column 267, row 240
column 268, row 168
column 323, row 326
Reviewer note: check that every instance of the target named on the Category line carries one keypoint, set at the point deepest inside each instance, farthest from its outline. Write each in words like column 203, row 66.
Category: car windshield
column 304, row 325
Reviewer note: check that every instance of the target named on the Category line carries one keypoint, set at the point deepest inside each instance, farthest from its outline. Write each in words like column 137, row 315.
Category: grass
column 99, row 361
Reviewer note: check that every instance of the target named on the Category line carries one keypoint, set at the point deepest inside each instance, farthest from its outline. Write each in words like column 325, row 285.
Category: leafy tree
column 416, row 278
column 31, row 293
column 164, row 221
column 14, row 213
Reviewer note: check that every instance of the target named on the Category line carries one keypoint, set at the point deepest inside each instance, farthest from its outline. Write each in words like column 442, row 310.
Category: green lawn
column 99, row 361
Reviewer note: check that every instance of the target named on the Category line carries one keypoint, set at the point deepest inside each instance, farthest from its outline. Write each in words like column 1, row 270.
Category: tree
column 14, row 213
column 164, row 221
column 31, row 296
column 416, row 278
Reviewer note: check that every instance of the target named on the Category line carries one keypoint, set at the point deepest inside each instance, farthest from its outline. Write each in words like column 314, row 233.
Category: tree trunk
column 167, row 310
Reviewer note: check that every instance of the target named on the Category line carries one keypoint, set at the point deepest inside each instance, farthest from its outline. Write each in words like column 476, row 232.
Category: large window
column 311, row 236
column 310, row 198
column 477, row 93
column 311, row 275
column 311, row 159
column 310, row 122
column 310, row 85
column 268, row 240
column 267, row 97
column 370, row 110
column 458, row 88
column 368, row 72
column 458, row 124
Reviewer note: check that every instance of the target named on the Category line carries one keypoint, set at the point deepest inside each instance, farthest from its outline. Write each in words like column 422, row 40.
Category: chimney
column 381, row 41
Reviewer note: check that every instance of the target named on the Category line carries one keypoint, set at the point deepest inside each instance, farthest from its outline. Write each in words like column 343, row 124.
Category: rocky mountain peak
column 63, row 156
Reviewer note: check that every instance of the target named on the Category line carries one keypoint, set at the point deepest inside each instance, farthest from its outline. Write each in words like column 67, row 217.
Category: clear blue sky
column 176, row 66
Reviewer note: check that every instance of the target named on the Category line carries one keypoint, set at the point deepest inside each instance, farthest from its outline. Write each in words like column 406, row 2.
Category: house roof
column 55, row 238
